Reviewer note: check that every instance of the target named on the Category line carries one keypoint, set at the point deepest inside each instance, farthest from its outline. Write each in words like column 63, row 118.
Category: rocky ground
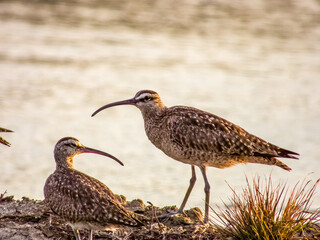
column 31, row 219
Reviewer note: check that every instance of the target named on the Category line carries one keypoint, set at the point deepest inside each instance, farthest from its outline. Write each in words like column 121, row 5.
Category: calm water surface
column 256, row 65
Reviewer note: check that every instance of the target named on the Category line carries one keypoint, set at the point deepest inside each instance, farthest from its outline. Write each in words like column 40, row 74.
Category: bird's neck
column 153, row 122
column 154, row 115
column 64, row 162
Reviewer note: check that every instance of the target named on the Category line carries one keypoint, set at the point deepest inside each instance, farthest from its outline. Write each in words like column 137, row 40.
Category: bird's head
column 145, row 100
column 68, row 147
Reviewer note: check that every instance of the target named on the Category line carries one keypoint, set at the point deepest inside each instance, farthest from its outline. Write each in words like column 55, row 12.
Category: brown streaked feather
column 193, row 128
column 78, row 197
column 4, row 142
column 5, row 130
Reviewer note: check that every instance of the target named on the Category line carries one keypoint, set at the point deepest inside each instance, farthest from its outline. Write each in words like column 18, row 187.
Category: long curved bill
column 131, row 101
column 91, row 150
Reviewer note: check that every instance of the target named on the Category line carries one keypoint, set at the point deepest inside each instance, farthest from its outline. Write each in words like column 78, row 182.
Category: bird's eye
column 147, row 98
column 72, row 145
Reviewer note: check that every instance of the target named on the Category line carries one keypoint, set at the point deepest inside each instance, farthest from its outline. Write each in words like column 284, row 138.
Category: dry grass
column 268, row 211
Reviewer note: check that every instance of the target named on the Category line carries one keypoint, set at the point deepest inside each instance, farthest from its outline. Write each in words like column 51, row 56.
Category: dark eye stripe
column 144, row 98
column 71, row 144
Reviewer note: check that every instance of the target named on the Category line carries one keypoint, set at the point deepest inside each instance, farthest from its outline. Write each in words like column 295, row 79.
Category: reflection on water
column 256, row 64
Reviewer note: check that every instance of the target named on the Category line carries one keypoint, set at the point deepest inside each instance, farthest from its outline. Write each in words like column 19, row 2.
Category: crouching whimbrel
column 83, row 201
column 199, row 138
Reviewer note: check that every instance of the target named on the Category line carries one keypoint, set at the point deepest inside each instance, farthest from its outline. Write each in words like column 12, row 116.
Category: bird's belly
column 91, row 225
column 201, row 158
column 192, row 156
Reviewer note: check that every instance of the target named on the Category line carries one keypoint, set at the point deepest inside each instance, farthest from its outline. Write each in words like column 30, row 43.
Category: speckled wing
column 196, row 129
column 78, row 197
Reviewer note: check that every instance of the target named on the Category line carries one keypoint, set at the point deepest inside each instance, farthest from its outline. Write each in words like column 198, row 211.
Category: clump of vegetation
column 267, row 211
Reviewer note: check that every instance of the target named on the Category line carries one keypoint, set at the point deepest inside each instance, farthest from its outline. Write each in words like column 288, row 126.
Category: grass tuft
column 268, row 211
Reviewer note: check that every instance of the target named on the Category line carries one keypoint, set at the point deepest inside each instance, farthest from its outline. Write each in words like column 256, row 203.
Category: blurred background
column 255, row 63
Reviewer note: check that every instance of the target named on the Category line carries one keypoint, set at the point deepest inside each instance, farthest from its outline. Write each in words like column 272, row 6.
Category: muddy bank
column 27, row 219
column 31, row 219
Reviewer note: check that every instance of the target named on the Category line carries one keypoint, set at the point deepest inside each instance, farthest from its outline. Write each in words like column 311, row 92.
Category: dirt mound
column 31, row 219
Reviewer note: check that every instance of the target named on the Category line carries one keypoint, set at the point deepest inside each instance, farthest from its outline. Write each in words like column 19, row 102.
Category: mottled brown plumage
column 2, row 140
column 83, row 201
column 199, row 138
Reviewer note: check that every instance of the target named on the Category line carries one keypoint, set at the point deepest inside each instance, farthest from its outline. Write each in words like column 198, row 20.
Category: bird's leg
column 76, row 233
column 207, row 192
column 90, row 234
column 183, row 204
column 192, row 182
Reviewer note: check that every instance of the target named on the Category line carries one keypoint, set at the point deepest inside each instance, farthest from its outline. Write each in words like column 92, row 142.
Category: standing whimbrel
column 201, row 139
column 81, row 200
column 2, row 140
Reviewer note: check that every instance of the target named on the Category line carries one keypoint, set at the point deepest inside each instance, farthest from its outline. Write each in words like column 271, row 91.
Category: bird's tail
column 269, row 161
column 284, row 153
column 3, row 141
column 140, row 219
column 280, row 164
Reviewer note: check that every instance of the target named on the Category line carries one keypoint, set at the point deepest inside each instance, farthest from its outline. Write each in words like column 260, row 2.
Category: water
column 256, row 64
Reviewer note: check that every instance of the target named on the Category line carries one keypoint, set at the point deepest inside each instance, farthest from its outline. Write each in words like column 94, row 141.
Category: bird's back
column 81, row 199
column 197, row 137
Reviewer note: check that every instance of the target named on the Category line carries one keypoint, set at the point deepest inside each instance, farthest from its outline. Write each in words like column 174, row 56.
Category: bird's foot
column 170, row 214
column 186, row 220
